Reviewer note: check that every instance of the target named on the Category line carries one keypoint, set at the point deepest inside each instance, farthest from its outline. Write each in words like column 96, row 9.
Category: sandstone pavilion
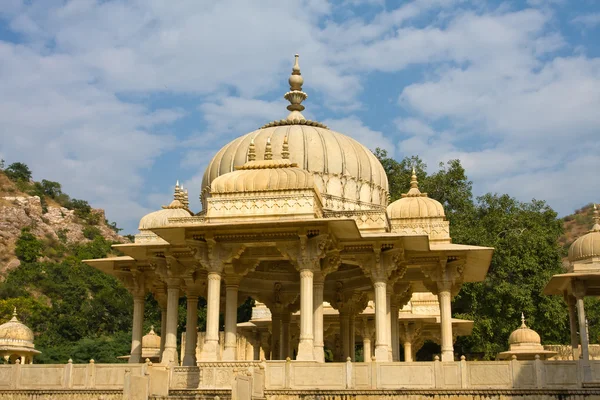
column 296, row 216
column 16, row 342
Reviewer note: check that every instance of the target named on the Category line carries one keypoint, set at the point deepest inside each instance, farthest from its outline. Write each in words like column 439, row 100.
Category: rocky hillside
column 37, row 206
column 576, row 225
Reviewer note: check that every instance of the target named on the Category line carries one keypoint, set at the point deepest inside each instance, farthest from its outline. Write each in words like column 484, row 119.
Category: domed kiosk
column 294, row 215
column 150, row 347
column 16, row 342
column 525, row 344
column 581, row 279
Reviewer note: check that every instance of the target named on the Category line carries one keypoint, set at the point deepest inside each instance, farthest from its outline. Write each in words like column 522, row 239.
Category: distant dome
column 177, row 209
column 588, row 245
column 524, row 336
column 417, row 214
column 262, row 175
column 342, row 167
column 415, row 204
column 151, row 340
column 14, row 333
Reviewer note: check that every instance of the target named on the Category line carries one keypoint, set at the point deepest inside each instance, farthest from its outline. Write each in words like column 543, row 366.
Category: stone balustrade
column 252, row 379
column 472, row 375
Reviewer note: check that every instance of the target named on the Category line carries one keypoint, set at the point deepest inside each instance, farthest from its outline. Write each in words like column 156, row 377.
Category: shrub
column 28, row 247
column 91, row 232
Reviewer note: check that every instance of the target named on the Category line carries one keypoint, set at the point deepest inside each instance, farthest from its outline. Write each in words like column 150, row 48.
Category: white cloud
column 80, row 91
column 587, row 20
column 352, row 126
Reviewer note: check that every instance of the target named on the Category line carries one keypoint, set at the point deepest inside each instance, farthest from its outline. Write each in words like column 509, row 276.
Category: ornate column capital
column 307, row 252
column 445, row 275
column 214, row 256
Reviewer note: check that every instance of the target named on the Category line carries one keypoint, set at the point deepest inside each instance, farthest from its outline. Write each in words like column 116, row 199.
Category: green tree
column 28, row 248
column 18, row 172
column 51, row 189
column 525, row 237
column 527, row 253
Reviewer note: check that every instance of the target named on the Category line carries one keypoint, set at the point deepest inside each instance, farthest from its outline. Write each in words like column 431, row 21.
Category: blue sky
column 118, row 99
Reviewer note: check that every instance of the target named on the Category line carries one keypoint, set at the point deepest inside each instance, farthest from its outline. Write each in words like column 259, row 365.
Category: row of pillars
column 310, row 345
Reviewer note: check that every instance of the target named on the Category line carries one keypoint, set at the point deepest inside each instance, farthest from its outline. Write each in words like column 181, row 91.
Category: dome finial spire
column 596, row 217
column 14, row 315
column 295, row 96
column 523, row 321
column 414, row 186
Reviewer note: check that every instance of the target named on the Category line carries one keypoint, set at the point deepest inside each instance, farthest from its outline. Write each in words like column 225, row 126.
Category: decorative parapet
column 366, row 220
column 194, row 220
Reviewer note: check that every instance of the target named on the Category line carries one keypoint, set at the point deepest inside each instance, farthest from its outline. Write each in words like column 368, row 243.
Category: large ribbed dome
column 342, row 167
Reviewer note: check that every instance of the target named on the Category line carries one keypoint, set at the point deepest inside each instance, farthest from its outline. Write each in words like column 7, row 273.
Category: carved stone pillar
column 231, row 299
column 367, row 351
column 579, row 293
column 318, row 285
column 265, row 346
column 191, row 329
column 286, row 335
column 169, row 355
column 388, row 319
column 445, row 298
column 345, row 335
column 381, row 346
column 138, row 326
column 352, row 337
column 211, row 339
column 570, row 300
column 306, row 344
column 408, row 331
column 161, row 298
column 275, row 335
column 395, row 342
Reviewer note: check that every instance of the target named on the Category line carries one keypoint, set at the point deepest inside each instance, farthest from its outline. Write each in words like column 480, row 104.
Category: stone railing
column 270, row 379
column 436, row 375
column 66, row 376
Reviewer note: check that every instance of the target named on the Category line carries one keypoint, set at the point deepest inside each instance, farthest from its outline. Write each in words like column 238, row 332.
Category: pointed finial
column 186, row 199
column 414, row 186
column 596, row 218
column 176, row 192
column 251, row 151
column 151, row 330
column 14, row 315
column 295, row 96
column 413, row 179
column 296, row 79
column 268, row 152
column 523, row 321
column 285, row 150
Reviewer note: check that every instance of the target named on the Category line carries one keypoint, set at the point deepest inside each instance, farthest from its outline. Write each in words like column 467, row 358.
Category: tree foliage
column 525, row 237
column 18, row 172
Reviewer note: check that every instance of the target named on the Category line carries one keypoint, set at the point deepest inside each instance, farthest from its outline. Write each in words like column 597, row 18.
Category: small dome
column 151, row 340
column 177, row 209
column 588, row 245
column 14, row 333
column 524, row 336
column 415, row 204
column 263, row 175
